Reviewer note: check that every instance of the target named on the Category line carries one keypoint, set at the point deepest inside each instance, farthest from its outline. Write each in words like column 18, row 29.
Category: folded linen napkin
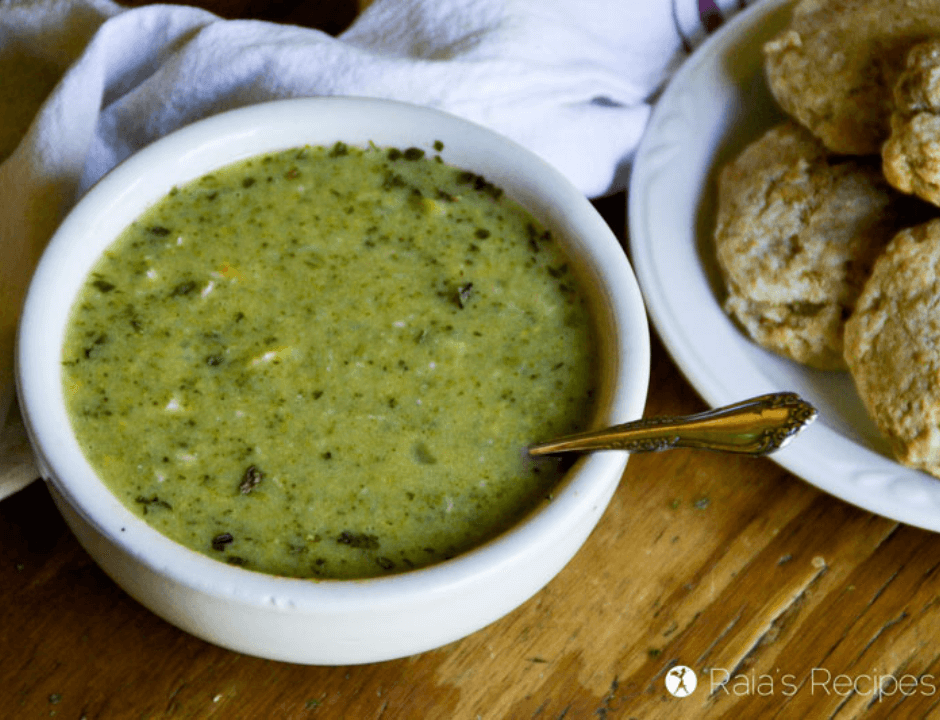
column 85, row 83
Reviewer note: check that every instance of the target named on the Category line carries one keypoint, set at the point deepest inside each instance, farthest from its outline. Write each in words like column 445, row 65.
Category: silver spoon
column 757, row 426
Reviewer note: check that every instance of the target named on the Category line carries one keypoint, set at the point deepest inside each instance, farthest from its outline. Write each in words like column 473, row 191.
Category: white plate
column 714, row 106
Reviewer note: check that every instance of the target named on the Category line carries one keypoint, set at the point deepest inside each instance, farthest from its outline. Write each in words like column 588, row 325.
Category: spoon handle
column 752, row 427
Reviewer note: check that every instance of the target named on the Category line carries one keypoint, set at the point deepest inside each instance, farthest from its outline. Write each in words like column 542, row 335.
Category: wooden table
column 800, row 603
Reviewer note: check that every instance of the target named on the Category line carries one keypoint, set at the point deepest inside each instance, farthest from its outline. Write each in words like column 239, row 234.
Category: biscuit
column 834, row 67
column 911, row 155
column 892, row 346
column 796, row 236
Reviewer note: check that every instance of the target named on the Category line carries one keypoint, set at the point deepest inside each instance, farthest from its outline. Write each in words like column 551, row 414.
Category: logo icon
column 681, row 681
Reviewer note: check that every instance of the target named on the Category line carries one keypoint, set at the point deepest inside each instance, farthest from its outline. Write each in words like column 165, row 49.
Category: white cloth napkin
column 85, row 83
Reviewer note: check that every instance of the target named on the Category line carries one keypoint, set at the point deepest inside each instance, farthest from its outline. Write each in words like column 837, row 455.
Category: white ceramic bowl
column 327, row 622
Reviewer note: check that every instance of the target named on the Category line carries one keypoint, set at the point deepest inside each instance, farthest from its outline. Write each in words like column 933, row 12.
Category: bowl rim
column 189, row 152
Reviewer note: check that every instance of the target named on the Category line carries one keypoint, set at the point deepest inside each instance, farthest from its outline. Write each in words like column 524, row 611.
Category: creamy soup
column 328, row 362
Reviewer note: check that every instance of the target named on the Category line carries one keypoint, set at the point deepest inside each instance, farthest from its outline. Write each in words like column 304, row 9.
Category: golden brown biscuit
column 911, row 155
column 892, row 346
column 834, row 67
column 796, row 236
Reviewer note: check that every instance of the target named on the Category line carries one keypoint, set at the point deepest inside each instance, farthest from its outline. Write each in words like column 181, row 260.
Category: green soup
column 328, row 362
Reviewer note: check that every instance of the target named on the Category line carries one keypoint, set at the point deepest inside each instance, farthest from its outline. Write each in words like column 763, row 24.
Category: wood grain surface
column 787, row 603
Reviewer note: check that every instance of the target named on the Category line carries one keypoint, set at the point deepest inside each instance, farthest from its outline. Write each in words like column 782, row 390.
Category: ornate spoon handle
column 753, row 427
